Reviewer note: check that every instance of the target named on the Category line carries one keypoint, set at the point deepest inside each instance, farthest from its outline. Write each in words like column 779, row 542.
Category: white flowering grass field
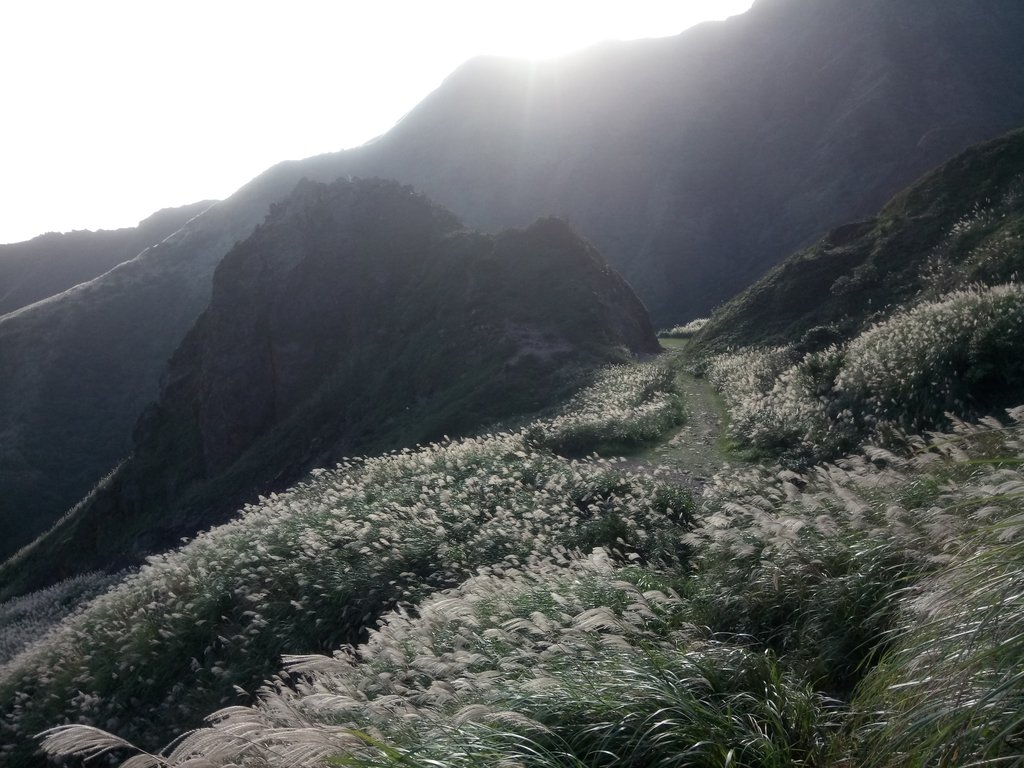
column 864, row 612
column 24, row 620
column 488, row 602
column 628, row 406
column 312, row 569
column 962, row 353
column 686, row 331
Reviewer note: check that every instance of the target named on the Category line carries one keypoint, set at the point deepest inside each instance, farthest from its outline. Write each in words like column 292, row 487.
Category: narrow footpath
column 697, row 449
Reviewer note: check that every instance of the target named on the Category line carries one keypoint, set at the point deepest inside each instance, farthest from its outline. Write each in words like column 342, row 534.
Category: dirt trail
column 695, row 451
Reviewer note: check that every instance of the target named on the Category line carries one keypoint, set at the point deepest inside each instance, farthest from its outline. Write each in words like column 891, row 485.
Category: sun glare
column 121, row 108
column 543, row 30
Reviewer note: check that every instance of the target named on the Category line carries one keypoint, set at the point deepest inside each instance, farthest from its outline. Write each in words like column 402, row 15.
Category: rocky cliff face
column 359, row 317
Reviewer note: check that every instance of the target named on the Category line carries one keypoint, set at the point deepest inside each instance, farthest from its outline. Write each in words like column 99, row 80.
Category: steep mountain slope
column 358, row 317
column 51, row 263
column 693, row 163
column 961, row 225
column 80, row 367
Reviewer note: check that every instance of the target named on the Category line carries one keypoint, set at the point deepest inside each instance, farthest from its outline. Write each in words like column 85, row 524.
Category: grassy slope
column 959, row 225
column 887, row 324
column 788, row 624
column 312, row 568
column 791, row 632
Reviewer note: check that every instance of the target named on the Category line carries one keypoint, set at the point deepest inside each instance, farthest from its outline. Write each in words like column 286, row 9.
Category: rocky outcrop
column 358, row 317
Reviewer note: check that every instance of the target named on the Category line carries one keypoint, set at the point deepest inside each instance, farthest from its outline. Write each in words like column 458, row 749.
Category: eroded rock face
column 359, row 317
column 338, row 270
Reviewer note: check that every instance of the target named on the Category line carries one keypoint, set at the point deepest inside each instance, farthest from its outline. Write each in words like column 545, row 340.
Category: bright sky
column 113, row 109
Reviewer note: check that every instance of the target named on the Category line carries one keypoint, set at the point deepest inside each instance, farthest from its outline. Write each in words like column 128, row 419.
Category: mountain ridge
column 689, row 172
column 48, row 265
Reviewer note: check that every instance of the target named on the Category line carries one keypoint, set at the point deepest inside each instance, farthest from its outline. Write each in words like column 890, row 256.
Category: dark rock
column 359, row 317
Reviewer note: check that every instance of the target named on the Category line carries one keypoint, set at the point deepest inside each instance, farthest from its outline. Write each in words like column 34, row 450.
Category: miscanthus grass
column 831, row 616
column 686, row 331
column 24, row 620
column 985, row 245
column 487, row 602
column 557, row 662
column 892, row 579
column 627, row 406
column 311, row 569
column 951, row 690
column 963, row 353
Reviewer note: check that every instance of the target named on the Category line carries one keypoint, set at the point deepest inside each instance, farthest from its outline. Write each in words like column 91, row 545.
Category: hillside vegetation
column 961, row 225
column 539, row 612
column 316, row 567
column 486, row 601
column 527, row 609
column 885, row 326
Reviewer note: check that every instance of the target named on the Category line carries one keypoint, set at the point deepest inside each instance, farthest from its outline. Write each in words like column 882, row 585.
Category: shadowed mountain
column 359, row 317
column 49, row 264
column 697, row 162
column 694, row 163
column 79, row 367
column 961, row 225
